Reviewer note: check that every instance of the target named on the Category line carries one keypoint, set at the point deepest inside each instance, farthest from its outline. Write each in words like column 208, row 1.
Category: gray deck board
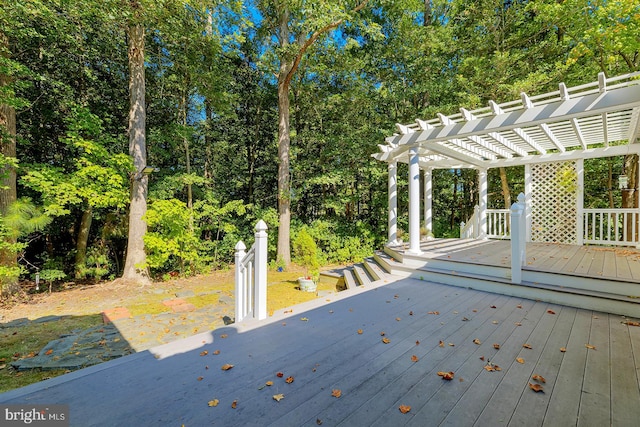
column 321, row 349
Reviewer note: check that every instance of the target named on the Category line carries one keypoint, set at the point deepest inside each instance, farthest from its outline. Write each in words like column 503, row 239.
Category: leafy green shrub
column 305, row 252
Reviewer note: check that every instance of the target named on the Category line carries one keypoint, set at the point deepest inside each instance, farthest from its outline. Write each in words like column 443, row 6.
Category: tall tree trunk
column 135, row 262
column 82, row 240
column 8, row 193
column 187, row 153
column 506, row 193
column 284, row 178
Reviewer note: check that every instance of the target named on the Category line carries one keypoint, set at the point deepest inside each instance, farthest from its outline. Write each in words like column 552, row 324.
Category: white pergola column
column 580, row 202
column 528, row 190
column 428, row 205
column 484, row 196
column 414, row 202
column 392, row 228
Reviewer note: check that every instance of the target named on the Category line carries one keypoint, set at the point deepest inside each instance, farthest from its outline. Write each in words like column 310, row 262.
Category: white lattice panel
column 554, row 195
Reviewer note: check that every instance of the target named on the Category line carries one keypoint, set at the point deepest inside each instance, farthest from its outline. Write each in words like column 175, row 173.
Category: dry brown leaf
column 204, row 353
column 465, row 319
column 518, row 324
column 411, row 313
column 383, row 333
column 441, row 344
column 447, row 376
column 434, row 312
column 234, row 404
column 481, row 358
column 563, row 349
column 269, row 383
column 520, row 360
column 386, row 340
column 49, row 352
column 519, row 306
column 200, row 378
column 336, row 392
column 304, row 319
column 217, row 352
column 527, row 346
column 318, row 421
column 539, row 378
column 226, row 367
column 590, row 347
column 289, row 380
column 474, row 310
column 417, row 342
column 223, row 336
column 477, row 341
column 493, row 306
column 404, row 408
column 359, row 331
column 278, row 397
column 398, row 319
column 495, row 322
column 536, row 387
column 414, row 358
column 631, row 323
column 551, row 312
column 451, row 344
column 214, row 402
column 279, row 375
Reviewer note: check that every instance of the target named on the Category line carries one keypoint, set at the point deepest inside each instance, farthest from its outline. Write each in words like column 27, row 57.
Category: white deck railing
column 251, row 277
column 471, row 230
column 498, row 224
column 611, row 226
column 518, row 238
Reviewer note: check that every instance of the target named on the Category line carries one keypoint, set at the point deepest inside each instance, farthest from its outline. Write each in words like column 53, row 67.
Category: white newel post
column 393, row 203
column 240, row 281
column 428, row 203
column 518, row 238
column 414, row 202
column 260, row 286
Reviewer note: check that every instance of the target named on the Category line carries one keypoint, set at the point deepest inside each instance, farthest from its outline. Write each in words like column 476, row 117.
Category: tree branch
column 311, row 40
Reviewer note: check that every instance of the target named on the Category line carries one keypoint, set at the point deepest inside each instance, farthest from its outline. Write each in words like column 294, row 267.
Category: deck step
column 349, row 278
column 582, row 298
column 361, row 275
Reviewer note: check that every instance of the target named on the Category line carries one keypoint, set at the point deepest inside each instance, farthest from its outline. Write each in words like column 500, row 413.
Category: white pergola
column 599, row 119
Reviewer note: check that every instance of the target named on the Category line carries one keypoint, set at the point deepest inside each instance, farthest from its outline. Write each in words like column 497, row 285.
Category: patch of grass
column 283, row 290
column 140, row 308
column 25, row 341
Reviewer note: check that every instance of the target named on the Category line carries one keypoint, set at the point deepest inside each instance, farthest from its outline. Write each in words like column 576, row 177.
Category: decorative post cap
column 521, row 198
column 240, row 246
column 261, row 226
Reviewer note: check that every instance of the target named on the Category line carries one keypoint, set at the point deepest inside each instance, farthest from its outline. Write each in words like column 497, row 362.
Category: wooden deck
column 320, row 347
column 590, row 261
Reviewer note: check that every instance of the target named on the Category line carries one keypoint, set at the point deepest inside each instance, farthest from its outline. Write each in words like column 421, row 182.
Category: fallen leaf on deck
column 536, row 387
column 631, row 323
column 278, row 397
column 519, row 306
column 464, row 319
column 398, row 319
column 495, row 322
column 474, row 310
column 433, row 312
column 330, row 311
column 455, row 312
column 527, row 346
column 304, row 319
column 477, row 341
column 226, row 367
column 318, row 421
column 493, row 306
column 520, row 360
column 383, row 333
column 48, row 352
column 417, row 342
column 451, row 344
column 411, row 313
column 496, row 346
column 359, row 331
column 404, row 408
column 414, row 358
column 279, row 375
column 539, row 378
column 289, row 380
column 200, row 378
column 396, row 296
column 214, row 402
column 217, row 352
column 518, row 324
column 551, row 312
column 481, row 358
column 563, row 349
column 590, row 347
column 446, row 375
column 336, row 392
column 386, row 340
column 204, row 353
column 441, row 344
column 269, row 383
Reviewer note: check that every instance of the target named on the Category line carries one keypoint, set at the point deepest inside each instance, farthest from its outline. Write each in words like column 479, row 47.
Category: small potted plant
column 306, row 252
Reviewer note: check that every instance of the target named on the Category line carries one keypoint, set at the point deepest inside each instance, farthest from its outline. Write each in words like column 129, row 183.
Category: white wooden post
column 428, row 203
column 260, row 284
column 414, row 202
column 482, row 212
column 528, row 189
column 580, row 202
column 476, row 222
column 393, row 203
column 240, row 281
column 518, row 238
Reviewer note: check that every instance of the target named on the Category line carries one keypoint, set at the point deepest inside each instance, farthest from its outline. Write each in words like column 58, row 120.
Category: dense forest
column 145, row 138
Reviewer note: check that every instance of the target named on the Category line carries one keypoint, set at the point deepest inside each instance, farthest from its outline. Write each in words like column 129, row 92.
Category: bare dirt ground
column 78, row 300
